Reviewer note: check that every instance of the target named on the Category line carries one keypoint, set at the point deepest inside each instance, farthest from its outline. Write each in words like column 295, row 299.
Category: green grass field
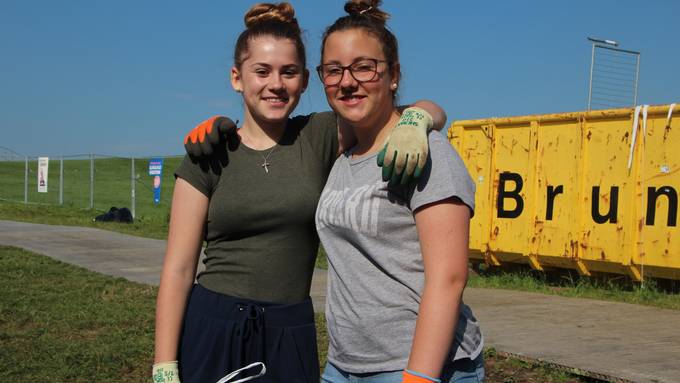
column 112, row 184
column 112, row 187
column 62, row 323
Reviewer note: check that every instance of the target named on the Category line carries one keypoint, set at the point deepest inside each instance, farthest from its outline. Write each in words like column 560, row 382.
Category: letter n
column 652, row 195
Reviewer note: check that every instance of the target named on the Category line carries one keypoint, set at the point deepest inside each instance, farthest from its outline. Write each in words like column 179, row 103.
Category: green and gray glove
column 405, row 153
column 165, row 372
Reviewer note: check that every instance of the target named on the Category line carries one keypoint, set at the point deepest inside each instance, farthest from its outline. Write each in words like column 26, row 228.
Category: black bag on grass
column 115, row 215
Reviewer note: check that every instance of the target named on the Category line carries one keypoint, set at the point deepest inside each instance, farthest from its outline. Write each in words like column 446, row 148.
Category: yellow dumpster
column 592, row 191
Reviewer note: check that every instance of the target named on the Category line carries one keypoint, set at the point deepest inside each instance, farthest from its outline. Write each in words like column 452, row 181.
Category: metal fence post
column 61, row 180
column 590, row 80
column 91, row 181
column 132, row 185
column 26, row 181
column 637, row 77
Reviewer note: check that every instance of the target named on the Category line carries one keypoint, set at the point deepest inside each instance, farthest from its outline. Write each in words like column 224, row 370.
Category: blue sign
column 156, row 167
column 156, row 171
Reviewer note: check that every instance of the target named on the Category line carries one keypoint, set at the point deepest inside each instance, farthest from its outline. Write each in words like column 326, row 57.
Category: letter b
column 514, row 194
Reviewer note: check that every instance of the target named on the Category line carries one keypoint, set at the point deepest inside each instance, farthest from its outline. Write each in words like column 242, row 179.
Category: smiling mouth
column 352, row 98
column 276, row 100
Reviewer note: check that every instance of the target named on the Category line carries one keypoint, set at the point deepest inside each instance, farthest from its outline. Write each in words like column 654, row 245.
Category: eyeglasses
column 364, row 70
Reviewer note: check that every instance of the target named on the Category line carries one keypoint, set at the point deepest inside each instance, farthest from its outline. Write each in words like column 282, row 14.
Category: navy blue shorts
column 222, row 334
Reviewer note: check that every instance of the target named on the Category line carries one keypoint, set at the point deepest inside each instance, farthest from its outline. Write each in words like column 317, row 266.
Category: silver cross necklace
column 265, row 160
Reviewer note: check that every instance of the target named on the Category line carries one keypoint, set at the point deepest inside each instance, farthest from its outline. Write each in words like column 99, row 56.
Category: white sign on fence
column 43, row 167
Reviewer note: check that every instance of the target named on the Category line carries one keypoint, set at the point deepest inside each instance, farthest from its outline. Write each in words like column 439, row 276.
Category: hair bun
column 367, row 8
column 267, row 12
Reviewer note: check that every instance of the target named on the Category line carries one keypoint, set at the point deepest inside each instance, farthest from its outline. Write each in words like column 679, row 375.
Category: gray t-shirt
column 375, row 266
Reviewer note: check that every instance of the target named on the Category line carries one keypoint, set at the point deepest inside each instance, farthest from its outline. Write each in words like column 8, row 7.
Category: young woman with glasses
column 253, row 201
column 397, row 255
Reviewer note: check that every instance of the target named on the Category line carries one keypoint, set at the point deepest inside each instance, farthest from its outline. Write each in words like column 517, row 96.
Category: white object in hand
column 233, row 374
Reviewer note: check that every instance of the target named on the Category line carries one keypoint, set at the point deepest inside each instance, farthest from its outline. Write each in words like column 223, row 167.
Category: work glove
column 209, row 133
column 415, row 377
column 405, row 153
column 165, row 372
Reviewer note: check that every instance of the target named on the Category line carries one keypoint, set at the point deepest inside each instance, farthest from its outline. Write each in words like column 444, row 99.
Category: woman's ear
column 395, row 76
column 236, row 82
column 305, row 80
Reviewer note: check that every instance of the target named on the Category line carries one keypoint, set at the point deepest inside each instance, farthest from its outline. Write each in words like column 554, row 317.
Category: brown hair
column 266, row 19
column 365, row 14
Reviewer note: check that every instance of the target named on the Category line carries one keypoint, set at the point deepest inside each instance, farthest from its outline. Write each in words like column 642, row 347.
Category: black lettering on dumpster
column 652, row 195
column 514, row 194
column 613, row 205
column 550, row 202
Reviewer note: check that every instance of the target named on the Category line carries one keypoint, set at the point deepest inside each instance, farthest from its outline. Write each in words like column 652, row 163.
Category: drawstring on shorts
column 251, row 334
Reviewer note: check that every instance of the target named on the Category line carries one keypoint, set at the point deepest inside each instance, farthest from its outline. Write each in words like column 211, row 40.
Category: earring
column 394, row 86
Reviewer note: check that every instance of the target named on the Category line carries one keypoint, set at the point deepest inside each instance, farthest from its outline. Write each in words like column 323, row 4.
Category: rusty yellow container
column 592, row 191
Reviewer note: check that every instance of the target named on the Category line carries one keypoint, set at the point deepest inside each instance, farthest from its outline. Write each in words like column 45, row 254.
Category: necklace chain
column 265, row 163
column 265, row 158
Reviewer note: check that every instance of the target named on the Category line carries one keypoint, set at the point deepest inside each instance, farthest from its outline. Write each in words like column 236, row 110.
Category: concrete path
column 623, row 341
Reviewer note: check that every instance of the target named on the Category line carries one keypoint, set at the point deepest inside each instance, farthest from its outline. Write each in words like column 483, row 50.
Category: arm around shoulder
column 438, row 114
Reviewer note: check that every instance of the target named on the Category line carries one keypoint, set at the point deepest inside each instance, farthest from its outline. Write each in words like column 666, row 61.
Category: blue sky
column 131, row 77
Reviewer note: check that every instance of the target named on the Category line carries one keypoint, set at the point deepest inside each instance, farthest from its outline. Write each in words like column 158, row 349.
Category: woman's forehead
column 271, row 49
column 352, row 44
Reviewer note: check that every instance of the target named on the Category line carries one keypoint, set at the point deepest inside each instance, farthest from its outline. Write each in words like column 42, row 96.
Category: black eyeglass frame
column 319, row 69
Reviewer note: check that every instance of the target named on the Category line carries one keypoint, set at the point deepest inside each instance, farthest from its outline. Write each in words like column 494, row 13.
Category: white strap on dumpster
column 645, row 108
column 670, row 114
column 233, row 374
column 634, row 135
column 636, row 118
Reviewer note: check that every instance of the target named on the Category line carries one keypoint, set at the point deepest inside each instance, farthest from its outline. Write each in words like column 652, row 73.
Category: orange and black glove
column 209, row 133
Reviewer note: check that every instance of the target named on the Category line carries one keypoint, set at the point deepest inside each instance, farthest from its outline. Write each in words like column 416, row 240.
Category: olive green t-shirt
column 260, row 233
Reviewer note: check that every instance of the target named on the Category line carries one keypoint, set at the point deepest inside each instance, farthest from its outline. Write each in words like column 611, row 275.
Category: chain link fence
column 90, row 181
